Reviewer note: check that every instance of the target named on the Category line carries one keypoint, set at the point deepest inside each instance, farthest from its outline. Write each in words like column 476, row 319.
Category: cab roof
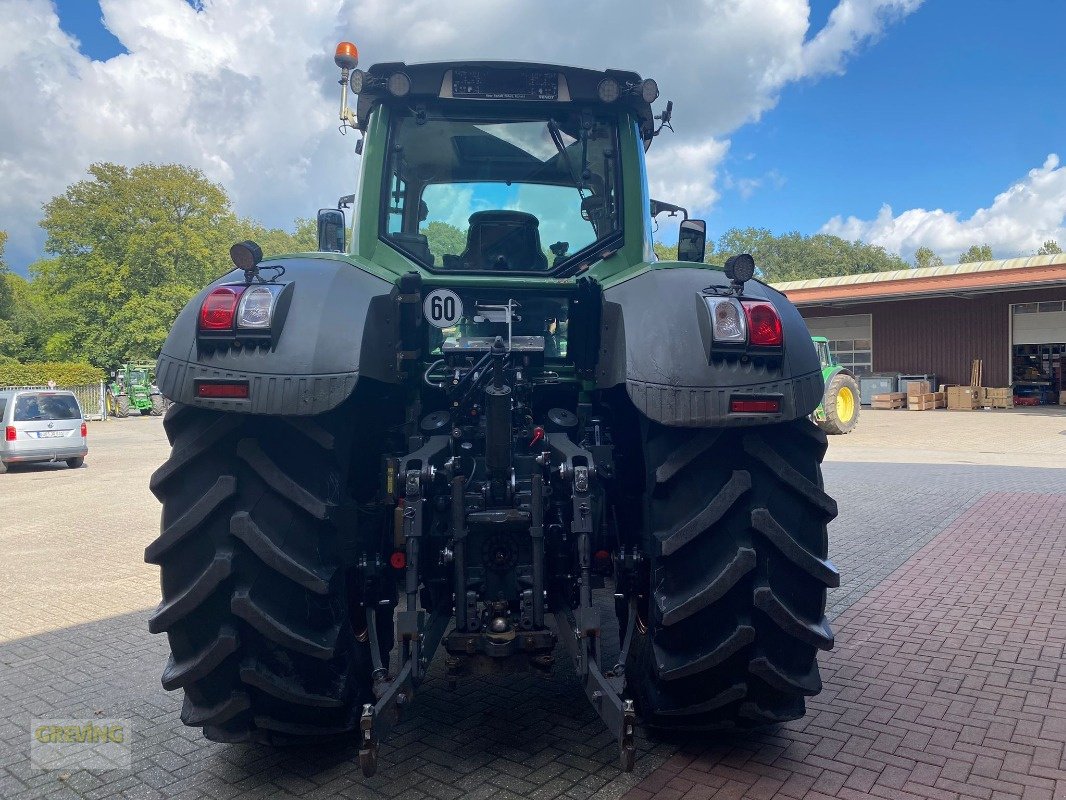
column 514, row 83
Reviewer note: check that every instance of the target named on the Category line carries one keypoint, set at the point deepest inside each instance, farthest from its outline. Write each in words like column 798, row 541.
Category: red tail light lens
column 764, row 326
column 219, row 308
column 398, row 560
column 226, row 391
column 754, row 406
column 10, row 433
column 84, row 430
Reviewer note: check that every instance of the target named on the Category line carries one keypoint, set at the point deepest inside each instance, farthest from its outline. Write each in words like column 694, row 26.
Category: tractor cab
column 825, row 357
column 501, row 168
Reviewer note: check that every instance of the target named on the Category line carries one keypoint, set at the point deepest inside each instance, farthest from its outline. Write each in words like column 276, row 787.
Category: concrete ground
column 945, row 682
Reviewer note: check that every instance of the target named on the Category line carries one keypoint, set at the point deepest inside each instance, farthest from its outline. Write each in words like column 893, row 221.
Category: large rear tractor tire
column 157, row 405
column 122, row 406
column 739, row 573
column 841, row 405
column 255, row 593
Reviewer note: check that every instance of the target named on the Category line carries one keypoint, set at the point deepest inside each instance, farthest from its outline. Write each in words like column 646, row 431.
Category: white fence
column 92, row 397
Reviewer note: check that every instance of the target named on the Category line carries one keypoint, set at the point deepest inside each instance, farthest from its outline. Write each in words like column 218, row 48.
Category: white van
column 41, row 425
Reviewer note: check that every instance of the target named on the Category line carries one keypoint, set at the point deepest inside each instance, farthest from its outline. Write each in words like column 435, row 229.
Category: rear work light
column 10, row 433
column 232, row 390
column 219, row 308
column 764, row 325
column 755, row 405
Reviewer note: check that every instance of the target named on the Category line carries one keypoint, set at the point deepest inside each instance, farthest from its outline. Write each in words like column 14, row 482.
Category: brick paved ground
column 948, row 680
column 75, row 597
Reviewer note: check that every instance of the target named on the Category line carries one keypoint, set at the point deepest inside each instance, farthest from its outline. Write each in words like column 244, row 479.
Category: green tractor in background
column 133, row 388
column 839, row 409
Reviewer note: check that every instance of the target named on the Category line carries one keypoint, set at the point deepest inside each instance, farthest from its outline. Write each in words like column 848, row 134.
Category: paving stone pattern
column 948, row 680
column 75, row 597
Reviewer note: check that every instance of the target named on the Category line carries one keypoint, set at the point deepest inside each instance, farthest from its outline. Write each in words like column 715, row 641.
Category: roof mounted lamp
column 740, row 269
column 347, row 58
column 246, row 256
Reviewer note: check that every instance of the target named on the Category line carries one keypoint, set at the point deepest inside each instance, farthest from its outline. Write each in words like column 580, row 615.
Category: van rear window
column 31, row 407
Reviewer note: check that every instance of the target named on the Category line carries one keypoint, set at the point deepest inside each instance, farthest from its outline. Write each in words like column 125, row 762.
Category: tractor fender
column 651, row 341
column 340, row 324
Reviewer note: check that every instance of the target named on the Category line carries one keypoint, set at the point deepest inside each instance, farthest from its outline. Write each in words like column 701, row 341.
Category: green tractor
column 839, row 410
column 133, row 388
column 490, row 422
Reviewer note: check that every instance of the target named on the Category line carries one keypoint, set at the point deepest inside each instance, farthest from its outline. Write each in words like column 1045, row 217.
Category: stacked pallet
column 889, row 400
column 920, row 396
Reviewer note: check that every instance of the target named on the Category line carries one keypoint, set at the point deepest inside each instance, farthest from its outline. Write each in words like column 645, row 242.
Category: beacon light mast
column 347, row 58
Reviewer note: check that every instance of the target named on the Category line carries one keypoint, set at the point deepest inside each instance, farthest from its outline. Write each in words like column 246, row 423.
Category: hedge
column 64, row 373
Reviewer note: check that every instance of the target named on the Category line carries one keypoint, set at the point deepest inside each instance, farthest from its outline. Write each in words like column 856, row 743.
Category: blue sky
column 902, row 122
column 951, row 106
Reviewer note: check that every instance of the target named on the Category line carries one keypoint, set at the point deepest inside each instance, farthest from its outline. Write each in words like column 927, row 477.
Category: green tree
column 665, row 252
column 924, row 257
column 444, row 239
column 1048, row 248
column 5, row 289
column 129, row 247
column 795, row 256
column 976, row 252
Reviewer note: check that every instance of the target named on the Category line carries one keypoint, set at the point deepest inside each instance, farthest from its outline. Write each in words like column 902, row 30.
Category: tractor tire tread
column 731, row 633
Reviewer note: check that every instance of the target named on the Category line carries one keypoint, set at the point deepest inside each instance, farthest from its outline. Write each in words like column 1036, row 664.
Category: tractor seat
column 504, row 240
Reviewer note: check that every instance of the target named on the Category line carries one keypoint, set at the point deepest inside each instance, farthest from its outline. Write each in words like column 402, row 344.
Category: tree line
column 127, row 247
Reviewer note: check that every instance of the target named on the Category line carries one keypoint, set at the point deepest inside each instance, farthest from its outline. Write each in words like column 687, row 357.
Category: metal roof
column 925, row 272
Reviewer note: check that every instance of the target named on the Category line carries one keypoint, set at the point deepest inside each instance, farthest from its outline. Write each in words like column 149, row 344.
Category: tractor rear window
column 32, row 407
column 526, row 196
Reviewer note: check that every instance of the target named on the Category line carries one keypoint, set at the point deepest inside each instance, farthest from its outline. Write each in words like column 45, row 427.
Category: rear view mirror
column 692, row 240
column 331, row 230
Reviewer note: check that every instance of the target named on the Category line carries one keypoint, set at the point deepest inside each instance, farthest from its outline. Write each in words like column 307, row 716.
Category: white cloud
column 246, row 89
column 1017, row 222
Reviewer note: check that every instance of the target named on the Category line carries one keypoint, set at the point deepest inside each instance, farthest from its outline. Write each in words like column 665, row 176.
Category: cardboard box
column 964, row 398
column 918, row 388
column 941, row 399
column 1062, row 398
column 997, row 397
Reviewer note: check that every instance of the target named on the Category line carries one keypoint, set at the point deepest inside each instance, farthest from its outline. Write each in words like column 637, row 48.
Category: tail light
column 755, row 405
column 728, row 321
column 256, row 308
column 253, row 313
column 398, row 559
column 84, row 430
column 219, row 390
column 10, row 433
column 219, row 308
column 764, row 325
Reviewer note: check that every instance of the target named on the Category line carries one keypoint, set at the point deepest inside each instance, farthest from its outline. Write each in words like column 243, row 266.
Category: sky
column 901, row 122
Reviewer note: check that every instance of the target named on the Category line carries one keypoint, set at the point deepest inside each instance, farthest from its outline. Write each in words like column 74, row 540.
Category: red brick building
column 1011, row 314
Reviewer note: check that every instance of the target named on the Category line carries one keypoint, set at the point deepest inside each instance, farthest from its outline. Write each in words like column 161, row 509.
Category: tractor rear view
column 482, row 420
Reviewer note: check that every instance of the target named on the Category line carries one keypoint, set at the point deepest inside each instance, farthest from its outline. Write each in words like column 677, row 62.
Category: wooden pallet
column 921, row 402
column 997, row 397
column 889, row 400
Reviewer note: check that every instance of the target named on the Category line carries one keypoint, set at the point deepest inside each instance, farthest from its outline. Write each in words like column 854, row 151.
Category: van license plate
column 49, row 434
